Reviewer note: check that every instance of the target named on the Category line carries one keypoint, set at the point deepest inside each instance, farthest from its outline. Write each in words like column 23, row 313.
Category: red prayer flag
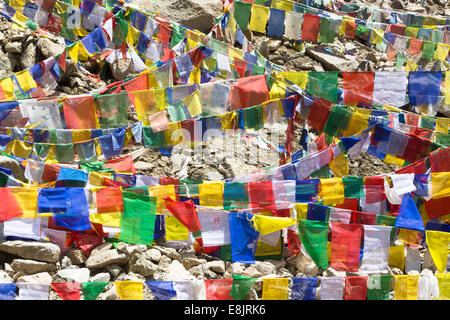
column 358, row 87
column 391, row 53
column 137, row 84
column 10, row 208
column 249, row 91
column 109, row 200
column 122, row 164
column 320, row 142
column 240, row 66
column 440, row 161
column 355, row 288
column 374, row 187
column 358, row 217
column 218, row 289
column 261, row 194
column 62, row 60
column 164, row 34
column 79, row 112
column 196, row 56
column 310, row 29
column 185, row 212
column 293, row 242
column 396, row 28
column 86, row 241
column 416, row 148
column 349, row 204
column 415, row 47
column 350, row 29
column 112, row 183
column 318, row 113
column 67, row 291
column 345, row 245
column 416, row 167
column 437, row 207
column 50, row 173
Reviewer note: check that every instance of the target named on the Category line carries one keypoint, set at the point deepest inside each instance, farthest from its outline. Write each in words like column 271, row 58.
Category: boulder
column 42, row 277
column 216, row 266
column 105, row 258
column 265, row 268
column 143, row 267
column 49, row 48
column 153, row 255
column 169, row 252
column 121, row 68
column 75, row 275
column 31, row 267
column 100, row 277
column 188, row 263
column 329, row 61
column 195, row 14
column 34, row 250
column 14, row 47
column 76, row 256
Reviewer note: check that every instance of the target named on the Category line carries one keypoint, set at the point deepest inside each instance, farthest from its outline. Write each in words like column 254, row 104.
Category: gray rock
column 175, row 271
column 31, row 267
column 331, row 62
column 75, row 275
column 216, row 266
column 153, row 255
column 42, row 277
column 100, row 277
column 265, row 268
column 251, row 272
column 105, row 258
column 49, row 48
column 188, row 263
column 131, row 248
column 303, row 264
column 77, row 256
column 164, row 262
column 330, row 272
column 5, row 69
column 110, row 294
column 102, row 247
column 5, row 277
column 121, row 69
column 198, row 271
column 195, row 14
column 29, row 55
column 65, row 263
column 114, row 270
column 143, row 166
column 34, row 250
column 143, row 267
column 169, row 252
column 14, row 47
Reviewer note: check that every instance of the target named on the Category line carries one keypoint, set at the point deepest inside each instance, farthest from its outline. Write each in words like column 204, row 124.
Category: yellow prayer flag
column 109, row 219
column 175, row 230
column 406, row 287
column 440, row 184
column 438, row 243
column 397, row 257
column 196, row 76
column 193, row 103
column 275, row 289
column 19, row 17
column 130, row 290
column 79, row 135
column 20, row 149
column 211, row 194
column 96, row 178
column 299, row 78
column 376, row 36
column 408, row 236
column 27, row 200
column 443, row 280
column 332, row 191
column 267, row 224
column 394, row 160
column 278, row 90
column 339, row 165
column 447, row 90
column 263, row 249
column 441, row 52
column 174, row 135
column 235, row 53
column 357, row 124
column 302, row 210
column 258, row 19
column 73, row 52
column 160, row 191
column 83, row 54
column 410, row 65
column 8, row 88
column 227, row 120
column 132, row 35
column 286, row 5
column 344, row 24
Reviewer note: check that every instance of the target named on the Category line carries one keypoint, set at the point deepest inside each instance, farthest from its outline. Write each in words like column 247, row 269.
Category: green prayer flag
column 177, row 35
column 41, row 149
column 253, row 117
column 3, row 179
column 442, row 138
column 427, row 122
column 338, row 118
column 241, row 286
column 137, row 222
column 242, row 12
column 64, row 152
column 378, row 287
column 323, row 84
column 96, row 166
column 401, row 58
column 153, row 139
column 325, row 32
column 225, row 252
column 323, row 172
column 353, row 187
column 314, row 236
column 428, row 49
column 360, row 29
column 176, row 112
column 91, row 290
column 113, row 110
